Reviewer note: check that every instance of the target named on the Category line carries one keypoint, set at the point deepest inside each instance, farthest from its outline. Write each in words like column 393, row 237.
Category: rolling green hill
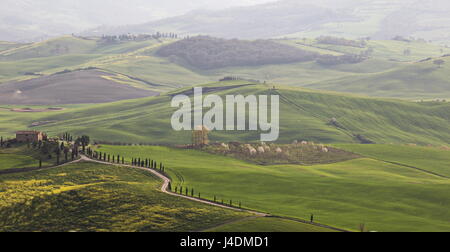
column 54, row 47
column 419, row 80
column 8, row 45
column 304, row 115
column 87, row 197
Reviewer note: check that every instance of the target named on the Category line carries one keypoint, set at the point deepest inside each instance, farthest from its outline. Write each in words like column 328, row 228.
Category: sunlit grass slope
column 93, row 197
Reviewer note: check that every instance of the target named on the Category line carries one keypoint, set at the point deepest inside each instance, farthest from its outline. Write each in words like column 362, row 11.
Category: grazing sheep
column 279, row 150
column 304, row 142
column 325, row 150
column 267, row 148
column 252, row 151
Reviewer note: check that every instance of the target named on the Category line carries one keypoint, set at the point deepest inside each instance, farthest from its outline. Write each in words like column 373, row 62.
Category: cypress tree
column 192, row 192
column 123, row 160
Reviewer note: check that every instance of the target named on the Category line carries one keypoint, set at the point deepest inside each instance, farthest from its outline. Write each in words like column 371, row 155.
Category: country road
column 165, row 186
column 165, row 189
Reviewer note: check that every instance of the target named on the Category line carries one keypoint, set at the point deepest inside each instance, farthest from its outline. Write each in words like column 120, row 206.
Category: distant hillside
column 87, row 86
column 54, row 47
column 379, row 19
column 304, row 115
column 164, row 64
column 421, row 80
column 209, row 53
column 260, row 21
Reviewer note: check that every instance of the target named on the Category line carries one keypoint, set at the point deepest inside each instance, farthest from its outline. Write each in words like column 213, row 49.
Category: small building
column 30, row 136
column 200, row 136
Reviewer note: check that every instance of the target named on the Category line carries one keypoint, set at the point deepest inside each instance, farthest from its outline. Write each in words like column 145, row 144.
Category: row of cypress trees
column 191, row 193
column 148, row 163
column 152, row 164
column 101, row 156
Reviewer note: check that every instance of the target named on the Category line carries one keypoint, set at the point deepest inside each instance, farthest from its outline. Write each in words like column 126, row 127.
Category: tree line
column 138, row 37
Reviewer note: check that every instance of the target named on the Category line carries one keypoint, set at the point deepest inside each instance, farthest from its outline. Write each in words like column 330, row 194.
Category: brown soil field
column 78, row 87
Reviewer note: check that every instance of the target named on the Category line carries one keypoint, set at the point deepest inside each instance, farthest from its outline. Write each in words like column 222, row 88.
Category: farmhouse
column 30, row 136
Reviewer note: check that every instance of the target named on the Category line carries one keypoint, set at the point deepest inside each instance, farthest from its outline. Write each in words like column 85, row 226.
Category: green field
column 20, row 156
column 264, row 225
column 430, row 159
column 383, row 196
column 92, row 197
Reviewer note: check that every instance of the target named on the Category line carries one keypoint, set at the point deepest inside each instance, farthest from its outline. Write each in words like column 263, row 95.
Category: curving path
column 165, row 187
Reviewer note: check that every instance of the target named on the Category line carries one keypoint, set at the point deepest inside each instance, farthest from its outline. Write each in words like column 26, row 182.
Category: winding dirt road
column 165, row 187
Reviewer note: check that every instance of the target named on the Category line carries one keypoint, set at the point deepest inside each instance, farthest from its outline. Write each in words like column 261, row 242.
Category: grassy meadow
column 20, row 156
column 432, row 159
column 383, row 196
column 94, row 197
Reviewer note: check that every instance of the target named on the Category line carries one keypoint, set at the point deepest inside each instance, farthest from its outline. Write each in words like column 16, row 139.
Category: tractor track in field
column 413, row 167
